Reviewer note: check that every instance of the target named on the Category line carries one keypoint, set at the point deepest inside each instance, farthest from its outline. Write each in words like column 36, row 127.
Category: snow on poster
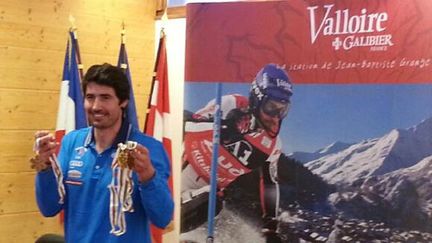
column 348, row 156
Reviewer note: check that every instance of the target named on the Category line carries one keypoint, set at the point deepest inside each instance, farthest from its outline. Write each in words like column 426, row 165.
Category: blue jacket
column 87, row 175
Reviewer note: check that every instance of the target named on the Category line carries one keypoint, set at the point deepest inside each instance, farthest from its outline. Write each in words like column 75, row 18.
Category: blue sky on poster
column 323, row 114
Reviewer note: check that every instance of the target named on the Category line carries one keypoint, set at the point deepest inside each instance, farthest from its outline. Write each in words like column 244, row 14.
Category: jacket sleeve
column 155, row 194
column 47, row 196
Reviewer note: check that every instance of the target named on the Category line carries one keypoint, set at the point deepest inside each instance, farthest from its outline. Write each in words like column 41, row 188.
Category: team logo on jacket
column 80, row 151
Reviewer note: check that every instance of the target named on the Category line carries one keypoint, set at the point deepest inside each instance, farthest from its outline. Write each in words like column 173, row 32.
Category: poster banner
column 326, row 129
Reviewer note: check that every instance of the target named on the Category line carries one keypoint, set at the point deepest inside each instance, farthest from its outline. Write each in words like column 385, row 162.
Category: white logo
column 80, row 151
column 242, row 150
column 224, row 162
column 266, row 141
column 75, row 163
column 359, row 28
column 257, row 91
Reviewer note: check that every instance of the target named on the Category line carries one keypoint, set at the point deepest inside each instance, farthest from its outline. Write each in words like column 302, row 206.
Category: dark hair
column 108, row 75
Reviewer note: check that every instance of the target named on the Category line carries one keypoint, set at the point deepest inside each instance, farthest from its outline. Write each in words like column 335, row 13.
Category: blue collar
column 122, row 136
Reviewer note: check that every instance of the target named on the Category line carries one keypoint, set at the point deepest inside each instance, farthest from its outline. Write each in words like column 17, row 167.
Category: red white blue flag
column 71, row 113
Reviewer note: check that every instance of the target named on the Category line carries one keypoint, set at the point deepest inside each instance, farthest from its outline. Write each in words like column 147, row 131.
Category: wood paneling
column 37, row 109
column 31, row 78
column 45, row 67
column 28, row 109
column 27, row 227
column 17, row 193
column 15, row 151
column 33, row 37
column 51, row 13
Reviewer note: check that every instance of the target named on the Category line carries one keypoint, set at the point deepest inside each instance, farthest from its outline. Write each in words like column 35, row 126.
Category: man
column 249, row 141
column 86, row 159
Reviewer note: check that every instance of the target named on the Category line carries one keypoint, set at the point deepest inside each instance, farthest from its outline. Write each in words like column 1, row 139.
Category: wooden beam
column 173, row 13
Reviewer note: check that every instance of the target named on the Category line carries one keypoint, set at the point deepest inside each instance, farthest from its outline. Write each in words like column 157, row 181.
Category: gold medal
column 124, row 158
column 38, row 164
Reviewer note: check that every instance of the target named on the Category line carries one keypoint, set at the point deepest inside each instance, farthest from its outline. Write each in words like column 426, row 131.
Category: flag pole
column 74, row 29
column 130, row 112
column 123, row 33
column 214, row 164
column 149, row 103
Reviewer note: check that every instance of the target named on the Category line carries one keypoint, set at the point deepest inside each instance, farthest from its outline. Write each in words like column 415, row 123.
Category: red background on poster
column 230, row 42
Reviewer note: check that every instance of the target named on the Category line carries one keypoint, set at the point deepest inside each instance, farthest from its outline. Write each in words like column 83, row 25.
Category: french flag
column 71, row 114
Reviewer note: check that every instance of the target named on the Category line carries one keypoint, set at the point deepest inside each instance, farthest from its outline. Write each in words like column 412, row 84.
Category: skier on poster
column 249, row 141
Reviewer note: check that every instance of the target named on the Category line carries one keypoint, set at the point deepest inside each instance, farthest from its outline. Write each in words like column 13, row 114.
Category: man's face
column 270, row 115
column 102, row 106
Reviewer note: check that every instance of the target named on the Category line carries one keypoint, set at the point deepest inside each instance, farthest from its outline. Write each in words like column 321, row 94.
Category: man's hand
column 239, row 120
column 142, row 164
column 45, row 146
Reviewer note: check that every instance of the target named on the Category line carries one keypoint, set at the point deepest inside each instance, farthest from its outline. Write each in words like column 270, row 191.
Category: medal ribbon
column 121, row 189
column 55, row 164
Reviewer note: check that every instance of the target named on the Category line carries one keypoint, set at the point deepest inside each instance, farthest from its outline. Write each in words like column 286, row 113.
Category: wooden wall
column 33, row 37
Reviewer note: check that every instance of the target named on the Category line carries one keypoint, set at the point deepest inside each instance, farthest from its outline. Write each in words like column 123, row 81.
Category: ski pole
column 214, row 164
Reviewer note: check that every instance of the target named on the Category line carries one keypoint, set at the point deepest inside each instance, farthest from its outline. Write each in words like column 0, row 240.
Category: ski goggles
column 275, row 108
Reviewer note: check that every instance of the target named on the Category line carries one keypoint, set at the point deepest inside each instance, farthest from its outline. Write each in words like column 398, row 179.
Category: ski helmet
column 271, row 83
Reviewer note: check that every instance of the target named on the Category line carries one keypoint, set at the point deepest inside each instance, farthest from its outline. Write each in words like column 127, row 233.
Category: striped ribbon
column 55, row 164
column 121, row 189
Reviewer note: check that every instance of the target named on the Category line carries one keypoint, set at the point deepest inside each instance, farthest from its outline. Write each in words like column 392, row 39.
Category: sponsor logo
column 241, row 150
column 75, row 163
column 266, row 142
column 200, row 161
column 222, row 162
column 199, row 158
column 227, row 165
column 74, row 174
column 279, row 82
column 257, row 91
column 350, row 30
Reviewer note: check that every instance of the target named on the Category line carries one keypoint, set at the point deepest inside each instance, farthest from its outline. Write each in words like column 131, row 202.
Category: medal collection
column 121, row 187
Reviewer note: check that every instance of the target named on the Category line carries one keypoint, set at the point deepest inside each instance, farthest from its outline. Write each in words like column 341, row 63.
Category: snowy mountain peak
column 424, row 126
column 334, row 147
column 305, row 157
column 400, row 148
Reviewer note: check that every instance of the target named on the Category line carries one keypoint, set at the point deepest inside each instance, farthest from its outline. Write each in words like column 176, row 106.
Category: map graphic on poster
column 356, row 145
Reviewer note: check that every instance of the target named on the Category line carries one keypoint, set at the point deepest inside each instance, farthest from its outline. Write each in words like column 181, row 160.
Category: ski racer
column 249, row 141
